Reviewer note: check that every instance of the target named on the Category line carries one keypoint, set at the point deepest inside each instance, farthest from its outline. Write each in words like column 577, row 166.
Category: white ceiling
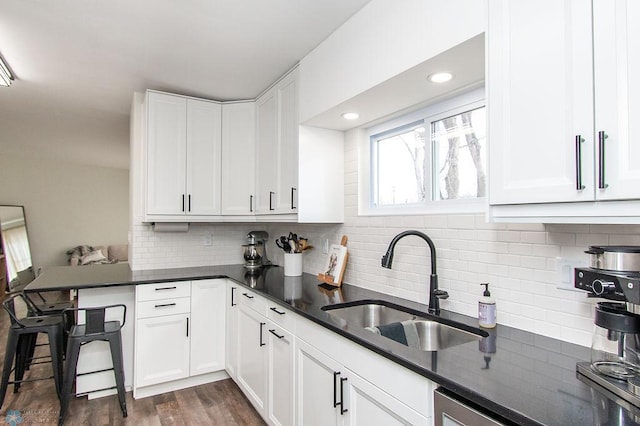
column 78, row 62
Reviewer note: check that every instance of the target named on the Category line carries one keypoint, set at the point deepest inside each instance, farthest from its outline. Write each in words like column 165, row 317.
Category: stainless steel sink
column 369, row 315
column 433, row 336
column 432, row 332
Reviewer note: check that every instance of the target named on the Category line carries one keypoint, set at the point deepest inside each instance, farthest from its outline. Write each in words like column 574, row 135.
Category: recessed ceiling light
column 350, row 115
column 440, row 77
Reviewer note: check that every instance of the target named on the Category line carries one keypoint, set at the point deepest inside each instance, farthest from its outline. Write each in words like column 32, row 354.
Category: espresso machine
column 614, row 275
column 255, row 251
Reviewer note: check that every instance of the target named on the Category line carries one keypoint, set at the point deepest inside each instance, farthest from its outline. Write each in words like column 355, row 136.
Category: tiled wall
column 519, row 260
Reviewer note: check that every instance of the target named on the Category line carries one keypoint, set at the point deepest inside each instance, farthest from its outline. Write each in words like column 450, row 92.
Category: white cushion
column 94, row 256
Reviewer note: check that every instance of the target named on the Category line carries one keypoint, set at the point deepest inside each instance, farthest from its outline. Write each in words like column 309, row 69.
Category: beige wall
column 66, row 204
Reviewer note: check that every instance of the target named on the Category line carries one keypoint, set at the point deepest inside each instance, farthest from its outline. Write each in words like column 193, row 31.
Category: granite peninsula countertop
column 522, row 377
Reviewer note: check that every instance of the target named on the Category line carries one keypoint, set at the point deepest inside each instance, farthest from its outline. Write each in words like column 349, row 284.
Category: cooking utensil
column 283, row 243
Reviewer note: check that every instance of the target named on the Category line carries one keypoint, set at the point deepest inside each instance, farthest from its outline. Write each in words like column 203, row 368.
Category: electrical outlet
column 564, row 272
column 208, row 240
column 325, row 245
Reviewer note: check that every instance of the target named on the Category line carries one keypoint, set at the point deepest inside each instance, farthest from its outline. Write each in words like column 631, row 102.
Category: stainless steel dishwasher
column 448, row 411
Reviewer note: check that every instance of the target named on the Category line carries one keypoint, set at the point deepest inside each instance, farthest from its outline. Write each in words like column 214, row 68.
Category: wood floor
column 219, row 403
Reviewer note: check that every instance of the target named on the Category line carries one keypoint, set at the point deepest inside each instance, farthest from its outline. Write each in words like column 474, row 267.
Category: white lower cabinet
column 331, row 394
column 207, row 326
column 252, row 357
column 290, row 381
column 368, row 405
column 265, row 367
column 317, row 388
column 232, row 329
column 163, row 349
column 280, row 345
column 179, row 335
column 340, row 382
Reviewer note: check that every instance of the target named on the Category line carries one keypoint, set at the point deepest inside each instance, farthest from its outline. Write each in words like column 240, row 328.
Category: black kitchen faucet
column 434, row 293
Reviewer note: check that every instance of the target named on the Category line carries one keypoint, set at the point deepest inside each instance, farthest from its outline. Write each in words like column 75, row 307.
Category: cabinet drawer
column 159, row 291
column 281, row 316
column 252, row 300
column 160, row 308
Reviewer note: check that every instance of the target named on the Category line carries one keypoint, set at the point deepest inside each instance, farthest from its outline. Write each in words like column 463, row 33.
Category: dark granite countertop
column 519, row 376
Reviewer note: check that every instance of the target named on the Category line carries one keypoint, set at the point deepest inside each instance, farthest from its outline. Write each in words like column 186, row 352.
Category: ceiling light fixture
column 350, row 115
column 440, row 77
column 5, row 75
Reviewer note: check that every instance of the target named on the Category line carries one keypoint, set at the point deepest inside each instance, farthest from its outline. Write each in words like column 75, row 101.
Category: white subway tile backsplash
column 519, row 260
column 561, row 238
column 587, row 240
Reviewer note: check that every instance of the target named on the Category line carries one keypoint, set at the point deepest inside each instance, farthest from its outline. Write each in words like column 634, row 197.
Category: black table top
column 522, row 377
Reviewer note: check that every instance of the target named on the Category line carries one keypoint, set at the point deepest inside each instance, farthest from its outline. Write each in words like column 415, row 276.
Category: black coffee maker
column 614, row 275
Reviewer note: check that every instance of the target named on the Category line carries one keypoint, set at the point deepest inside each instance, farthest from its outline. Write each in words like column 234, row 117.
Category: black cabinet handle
column 579, row 141
column 262, row 324
column 601, row 180
column 189, row 202
column 187, row 326
column 342, row 409
column 251, row 203
column 233, row 303
column 274, row 309
column 276, row 334
column 165, row 288
column 335, row 389
column 292, row 190
column 182, row 202
column 165, row 305
column 247, row 295
column 271, row 200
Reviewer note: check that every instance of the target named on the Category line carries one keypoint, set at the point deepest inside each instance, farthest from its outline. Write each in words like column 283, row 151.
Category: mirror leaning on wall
column 17, row 268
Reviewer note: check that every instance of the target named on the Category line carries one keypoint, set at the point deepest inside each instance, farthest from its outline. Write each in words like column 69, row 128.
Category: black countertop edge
column 474, row 398
column 271, row 284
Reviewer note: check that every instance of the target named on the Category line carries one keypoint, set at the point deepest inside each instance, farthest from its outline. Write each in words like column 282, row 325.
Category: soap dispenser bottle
column 486, row 309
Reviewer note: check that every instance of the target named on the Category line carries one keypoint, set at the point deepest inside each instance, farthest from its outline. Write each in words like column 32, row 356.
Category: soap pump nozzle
column 486, row 293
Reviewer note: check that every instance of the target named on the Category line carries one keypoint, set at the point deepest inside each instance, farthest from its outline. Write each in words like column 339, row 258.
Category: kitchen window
column 429, row 161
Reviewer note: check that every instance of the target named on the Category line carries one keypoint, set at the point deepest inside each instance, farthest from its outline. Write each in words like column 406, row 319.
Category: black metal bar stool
column 38, row 307
column 48, row 308
column 20, row 339
column 94, row 329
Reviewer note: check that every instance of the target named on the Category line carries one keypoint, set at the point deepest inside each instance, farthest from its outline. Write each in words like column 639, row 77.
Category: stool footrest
column 81, row 394
column 30, row 380
column 94, row 372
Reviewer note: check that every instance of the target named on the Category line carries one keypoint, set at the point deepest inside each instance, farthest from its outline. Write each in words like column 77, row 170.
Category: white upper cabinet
column 203, row 157
column 287, row 187
column 266, row 151
column 238, row 158
column 563, row 80
column 617, row 95
column 277, row 148
column 183, row 157
column 166, row 153
column 540, row 97
column 195, row 160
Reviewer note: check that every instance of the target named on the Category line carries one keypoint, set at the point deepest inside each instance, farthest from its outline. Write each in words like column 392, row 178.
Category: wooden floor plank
column 219, row 403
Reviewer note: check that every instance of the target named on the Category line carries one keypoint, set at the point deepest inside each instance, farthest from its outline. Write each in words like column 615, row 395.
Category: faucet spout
column 435, row 294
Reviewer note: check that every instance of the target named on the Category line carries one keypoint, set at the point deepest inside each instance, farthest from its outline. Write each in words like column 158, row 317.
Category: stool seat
column 94, row 329
column 21, row 340
column 80, row 331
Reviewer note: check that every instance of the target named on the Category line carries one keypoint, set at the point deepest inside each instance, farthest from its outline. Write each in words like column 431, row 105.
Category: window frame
column 428, row 114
